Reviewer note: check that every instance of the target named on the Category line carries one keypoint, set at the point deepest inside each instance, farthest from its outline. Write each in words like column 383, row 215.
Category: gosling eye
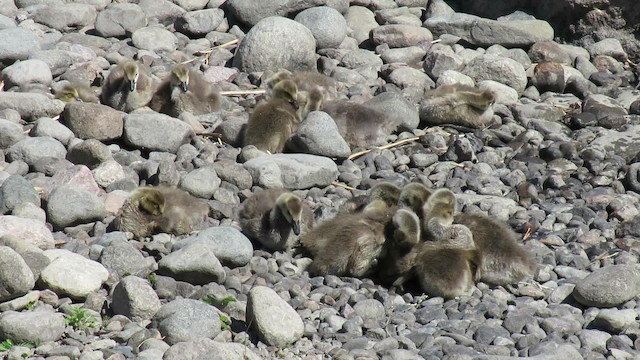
column 294, row 104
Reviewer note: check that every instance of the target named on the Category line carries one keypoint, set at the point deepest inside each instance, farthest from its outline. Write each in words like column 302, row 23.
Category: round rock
column 31, row 326
column 72, row 274
column 229, row 245
column 32, row 149
column 327, row 25
column 276, row 43
column 16, row 190
column 156, row 132
column 134, row 298
column 497, row 68
column 16, row 278
column 156, row 39
column 69, row 205
column 120, row 20
column 609, row 286
column 276, row 322
column 319, row 135
column 26, row 72
column 187, row 320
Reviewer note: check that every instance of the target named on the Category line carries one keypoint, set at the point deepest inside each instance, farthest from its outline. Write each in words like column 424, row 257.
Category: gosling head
column 385, row 192
column 290, row 206
column 180, row 77
column 68, row 93
column 287, row 90
column 413, row 196
column 149, row 200
column 483, row 100
column 277, row 77
column 131, row 73
column 441, row 204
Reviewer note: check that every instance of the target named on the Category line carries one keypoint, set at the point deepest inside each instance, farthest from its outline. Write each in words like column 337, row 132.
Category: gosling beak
column 295, row 104
column 132, row 85
column 296, row 227
column 184, row 86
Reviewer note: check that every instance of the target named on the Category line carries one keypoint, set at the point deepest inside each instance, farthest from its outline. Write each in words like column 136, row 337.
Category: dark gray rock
column 195, row 263
column 90, row 153
column 31, row 106
column 276, row 43
column 202, row 182
column 200, row 22
column 10, row 133
column 319, row 135
column 66, row 17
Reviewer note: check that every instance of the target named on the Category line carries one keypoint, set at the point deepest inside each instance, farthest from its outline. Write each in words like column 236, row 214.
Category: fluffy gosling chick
column 503, row 260
column 401, row 249
column 439, row 210
column 274, row 120
column 76, row 92
column 359, row 125
column 444, row 271
column 385, row 191
column 186, row 89
column 275, row 218
column 350, row 244
column 150, row 210
column 457, row 105
column 128, row 86
column 310, row 81
column 413, row 196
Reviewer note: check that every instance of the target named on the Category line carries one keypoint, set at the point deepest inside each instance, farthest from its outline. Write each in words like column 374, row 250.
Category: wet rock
column 276, row 43
column 276, row 322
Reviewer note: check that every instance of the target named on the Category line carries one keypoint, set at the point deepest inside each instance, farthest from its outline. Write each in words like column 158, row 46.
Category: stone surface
column 33, row 231
column 187, row 320
column 195, row 263
column 69, row 205
column 72, row 274
column 276, row 322
column 155, row 132
column 134, row 298
column 93, row 121
column 609, row 286
column 327, row 25
column 319, row 135
column 16, row 278
column 292, row 171
column 31, row 106
column 228, row 244
column 276, row 43
column 31, row 326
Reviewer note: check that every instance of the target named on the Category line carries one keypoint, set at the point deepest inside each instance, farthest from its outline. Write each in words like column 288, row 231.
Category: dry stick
column 388, row 146
column 335, row 183
column 210, row 50
column 242, row 92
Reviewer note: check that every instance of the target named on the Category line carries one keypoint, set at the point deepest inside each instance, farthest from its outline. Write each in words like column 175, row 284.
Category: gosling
column 387, row 192
column 457, row 105
column 504, row 261
column 186, row 89
column 151, row 210
column 310, row 81
column 275, row 218
column 76, row 92
column 274, row 120
column 350, row 244
column 413, row 196
column 128, row 86
column 359, row 125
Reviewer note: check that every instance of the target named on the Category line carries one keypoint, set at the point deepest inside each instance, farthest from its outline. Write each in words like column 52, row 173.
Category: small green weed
column 81, row 319
column 227, row 300
column 152, row 279
column 6, row 345
column 31, row 304
column 225, row 322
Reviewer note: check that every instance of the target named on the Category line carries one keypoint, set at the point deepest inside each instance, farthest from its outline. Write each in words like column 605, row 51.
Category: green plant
column 207, row 300
column 225, row 322
column 31, row 304
column 227, row 300
column 80, row 318
column 125, row 274
column 152, row 279
column 6, row 345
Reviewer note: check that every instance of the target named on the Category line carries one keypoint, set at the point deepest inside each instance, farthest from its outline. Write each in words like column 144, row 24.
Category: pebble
column 185, row 320
column 609, row 286
column 72, row 274
column 134, row 298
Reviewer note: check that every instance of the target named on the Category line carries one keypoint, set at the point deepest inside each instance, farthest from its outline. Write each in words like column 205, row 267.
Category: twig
column 604, row 256
column 436, row 41
column 527, row 234
column 388, row 146
column 210, row 50
column 335, row 183
column 242, row 92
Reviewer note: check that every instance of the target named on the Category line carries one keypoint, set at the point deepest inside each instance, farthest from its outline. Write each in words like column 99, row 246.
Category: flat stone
column 69, row 205
column 29, row 230
column 31, row 71
column 156, row 132
column 16, row 278
column 155, row 39
column 51, row 128
column 17, row 44
column 292, row 171
column 31, row 106
column 275, row 321
column 609, row 286
column 228, row 244
column 200, row 22
column 72, row 274
column 134, row 298
column 93, row 121
column 394, row 105
column 119, row 20
column 615, row 321
column 186, row 320
column 202, row 182
column 204, row 348
column 33, row 327
column 400, row 35
column 32, row 149
column 195, row 263
column 16, row 190
column 233, row 173
column 66, row 17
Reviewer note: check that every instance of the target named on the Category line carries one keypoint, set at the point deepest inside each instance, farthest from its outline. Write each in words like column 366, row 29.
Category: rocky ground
column 559, row 165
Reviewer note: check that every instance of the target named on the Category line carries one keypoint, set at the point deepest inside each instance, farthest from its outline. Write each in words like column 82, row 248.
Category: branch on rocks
column 388, row 146
column 242, row 92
